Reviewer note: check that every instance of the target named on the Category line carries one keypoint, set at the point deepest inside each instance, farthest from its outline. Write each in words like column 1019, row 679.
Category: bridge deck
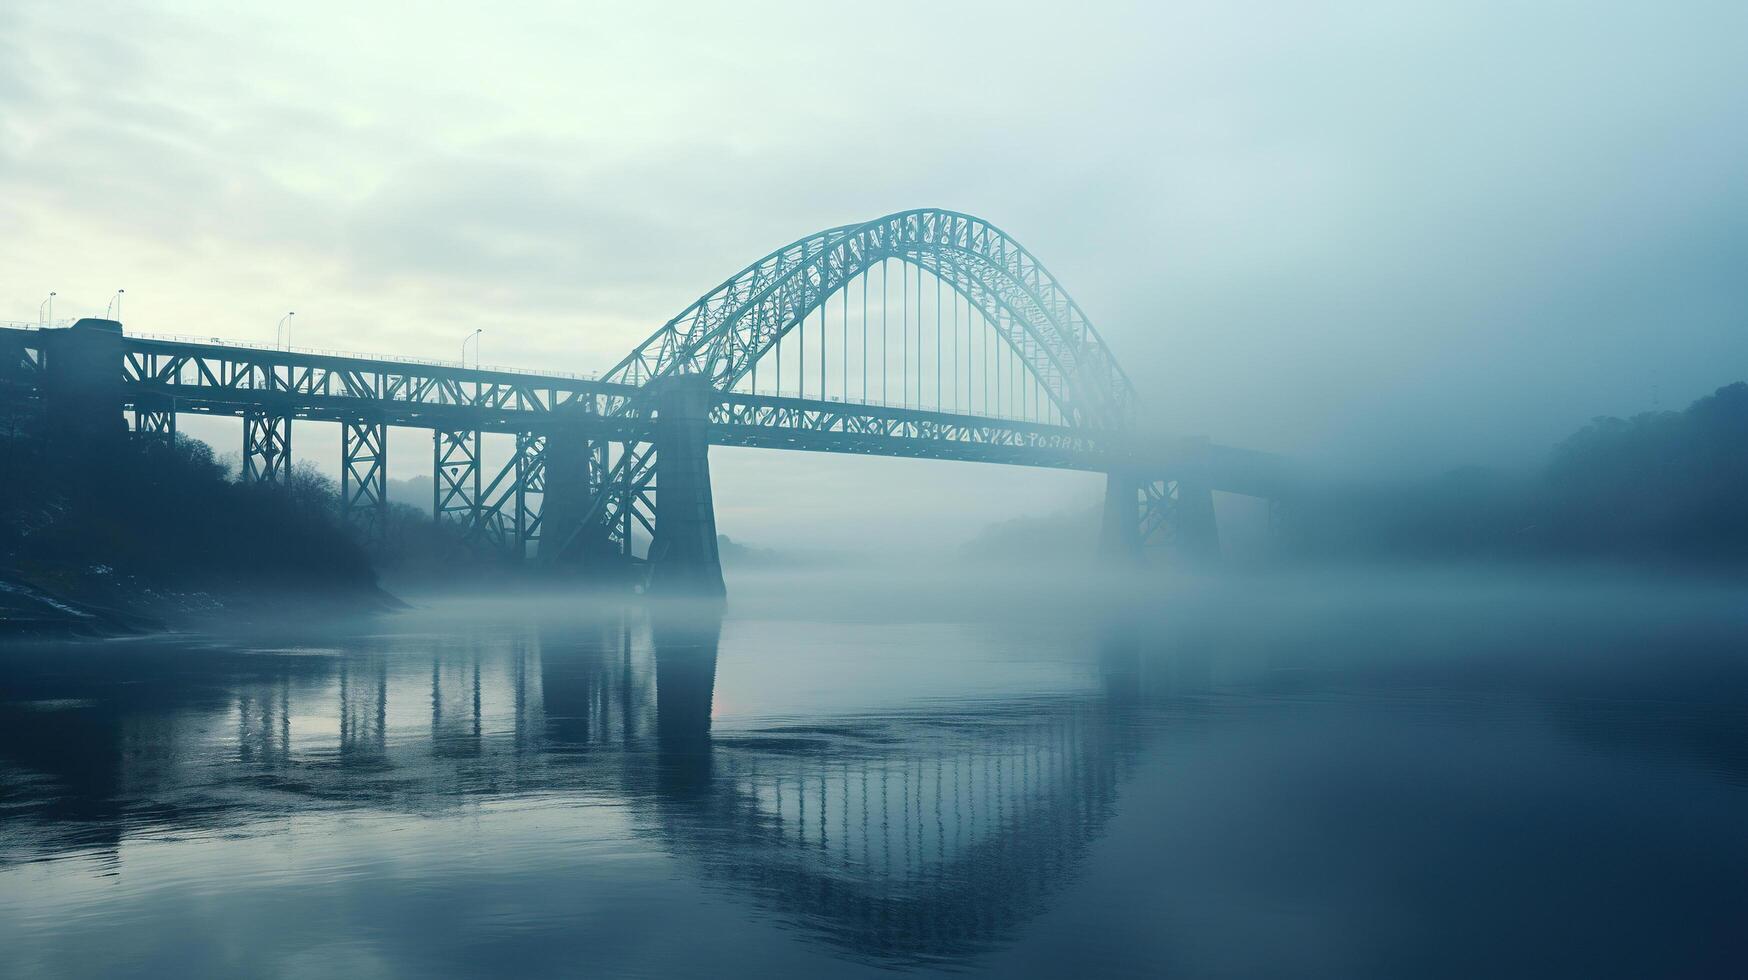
column 188, row 376
column 218, row 379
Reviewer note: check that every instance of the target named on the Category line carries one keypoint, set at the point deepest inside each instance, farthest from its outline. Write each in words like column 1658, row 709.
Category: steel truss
column 406, row 393
column 510, row 502
column 235, row 381
column 1176, row 518
column 1158, row 524
column 617, row 481
column 729, row 329
column 530, row 489
column 742, row 419
column 364, row 475
column 620, row 496
column 266, row 447
column 455, row 477
column 631, row 485
column 155, row 419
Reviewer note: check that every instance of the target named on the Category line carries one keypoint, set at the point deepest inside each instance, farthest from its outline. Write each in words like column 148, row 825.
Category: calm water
column 1417, row 775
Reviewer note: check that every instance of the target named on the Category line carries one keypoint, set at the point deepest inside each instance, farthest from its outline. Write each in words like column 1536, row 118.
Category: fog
column 1454, row 290
column 1384, row 239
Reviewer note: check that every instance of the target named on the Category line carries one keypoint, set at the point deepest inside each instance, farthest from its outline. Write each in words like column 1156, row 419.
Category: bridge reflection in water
column 901, row 836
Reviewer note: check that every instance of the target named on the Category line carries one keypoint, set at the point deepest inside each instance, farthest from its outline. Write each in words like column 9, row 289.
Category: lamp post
column 283, row 323
column 114, row 306
column 474, row 339
column 50, row 304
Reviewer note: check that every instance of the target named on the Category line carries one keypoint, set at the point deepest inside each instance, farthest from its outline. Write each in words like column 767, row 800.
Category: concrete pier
column 683, row 557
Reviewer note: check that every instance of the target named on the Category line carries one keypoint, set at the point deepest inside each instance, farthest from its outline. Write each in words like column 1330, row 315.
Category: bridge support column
column 266, row 447
column 1175, row 515
column 364, row 476
column 682, row 556
column 1197, row 531
column 530, row 490
column 572, row 523
column 455, row 477
column 155, row 418
column 1120, row 530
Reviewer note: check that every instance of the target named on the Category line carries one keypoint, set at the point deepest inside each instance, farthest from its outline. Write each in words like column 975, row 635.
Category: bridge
column 925, row 334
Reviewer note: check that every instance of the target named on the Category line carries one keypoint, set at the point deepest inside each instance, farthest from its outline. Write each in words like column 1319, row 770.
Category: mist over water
column 1345, row 774
column 1402, row 345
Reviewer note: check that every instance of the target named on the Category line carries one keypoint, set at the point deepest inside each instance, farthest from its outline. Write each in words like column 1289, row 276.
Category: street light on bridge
column 474, row 339
column 282, row 324
column 50, row 303
column 114, row 306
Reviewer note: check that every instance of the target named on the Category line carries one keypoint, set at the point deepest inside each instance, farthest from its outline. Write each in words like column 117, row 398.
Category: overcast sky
column 1382, row 234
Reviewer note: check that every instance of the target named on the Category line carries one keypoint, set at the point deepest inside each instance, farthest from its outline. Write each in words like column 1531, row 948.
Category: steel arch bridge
column 726, row 332
column 924, row 333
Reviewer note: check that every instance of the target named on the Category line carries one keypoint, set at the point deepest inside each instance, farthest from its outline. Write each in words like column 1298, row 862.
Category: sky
column 1385, row 237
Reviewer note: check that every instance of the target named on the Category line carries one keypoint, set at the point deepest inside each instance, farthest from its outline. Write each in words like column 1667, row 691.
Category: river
column 1357, row 775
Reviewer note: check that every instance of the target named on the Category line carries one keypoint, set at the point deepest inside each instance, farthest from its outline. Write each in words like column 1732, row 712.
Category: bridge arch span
column 726, row 331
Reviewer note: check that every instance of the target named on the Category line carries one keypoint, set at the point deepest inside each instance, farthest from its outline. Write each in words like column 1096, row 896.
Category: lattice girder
column 728, row 329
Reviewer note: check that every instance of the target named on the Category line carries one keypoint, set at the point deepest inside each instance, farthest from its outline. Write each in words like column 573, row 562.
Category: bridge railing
column 317, row 351
column 363, row 356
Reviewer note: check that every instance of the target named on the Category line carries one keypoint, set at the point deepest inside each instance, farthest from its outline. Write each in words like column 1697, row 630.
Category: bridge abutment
column 683, row 557
column 82, row 384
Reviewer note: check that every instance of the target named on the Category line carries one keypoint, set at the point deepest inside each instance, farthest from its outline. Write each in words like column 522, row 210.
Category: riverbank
column 98, row 603
column 114, row 535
